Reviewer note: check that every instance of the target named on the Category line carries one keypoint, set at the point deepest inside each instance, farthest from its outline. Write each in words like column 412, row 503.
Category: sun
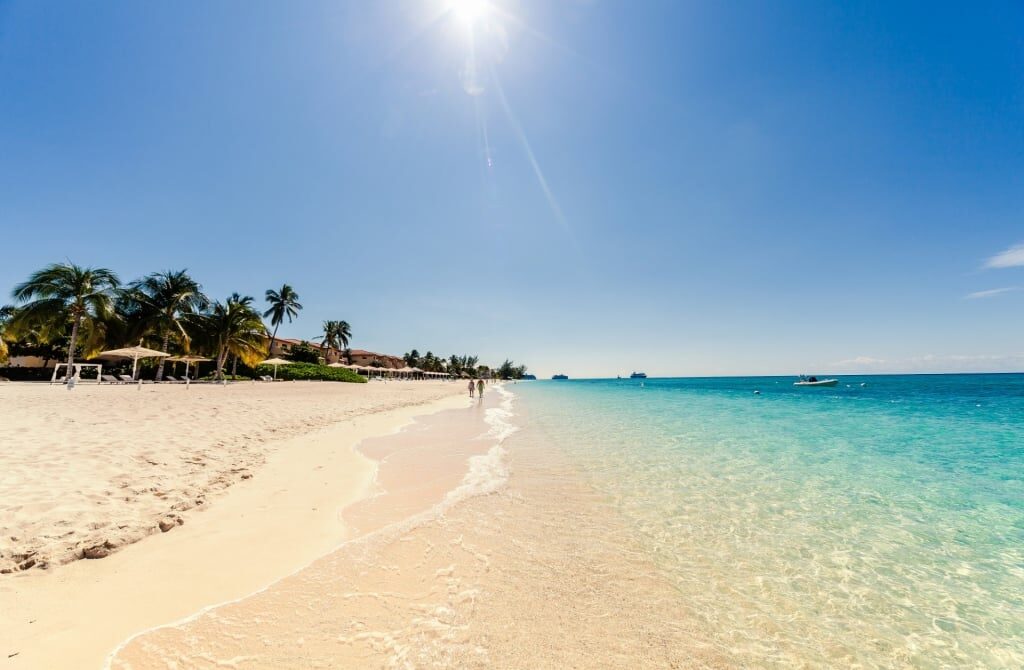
column 468, row 11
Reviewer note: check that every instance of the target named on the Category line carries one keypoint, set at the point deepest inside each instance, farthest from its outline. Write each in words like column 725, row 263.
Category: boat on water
column 560, row 376
column 814, row 381
column 638, row 375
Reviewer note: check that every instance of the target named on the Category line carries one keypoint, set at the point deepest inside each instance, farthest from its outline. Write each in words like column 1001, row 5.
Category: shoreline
column 522, row 564
column 78, row 614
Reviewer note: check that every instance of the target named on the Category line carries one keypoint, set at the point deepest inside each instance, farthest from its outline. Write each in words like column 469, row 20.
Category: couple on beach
column 477, row 386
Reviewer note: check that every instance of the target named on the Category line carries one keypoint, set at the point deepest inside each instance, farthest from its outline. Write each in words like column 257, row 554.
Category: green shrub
column 308, row 371
column 304, row 353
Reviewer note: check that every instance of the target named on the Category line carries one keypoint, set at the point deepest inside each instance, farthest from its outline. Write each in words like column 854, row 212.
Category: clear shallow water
column 870, row 526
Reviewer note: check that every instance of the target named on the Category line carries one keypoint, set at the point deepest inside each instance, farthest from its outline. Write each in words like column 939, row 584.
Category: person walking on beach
column 471, row 387
column 480, row 388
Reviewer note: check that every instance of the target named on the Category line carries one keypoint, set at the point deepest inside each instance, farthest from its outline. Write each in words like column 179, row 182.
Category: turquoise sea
column 876, row 524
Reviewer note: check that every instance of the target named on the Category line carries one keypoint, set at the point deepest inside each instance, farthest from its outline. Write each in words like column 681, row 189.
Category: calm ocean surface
column 876, row 525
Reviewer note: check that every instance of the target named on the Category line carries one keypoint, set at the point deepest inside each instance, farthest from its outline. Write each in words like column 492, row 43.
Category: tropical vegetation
column 6, row 312
column 64, row 294
column 336, row 335
column 234, row 328
column 284, row 303
column 309, row 371
column 464, row 365
column 77, row 312
column 165, row 301
column 70, row 312
column 304, row 352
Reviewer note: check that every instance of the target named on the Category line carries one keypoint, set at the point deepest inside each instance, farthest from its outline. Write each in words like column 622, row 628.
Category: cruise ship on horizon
column 638, row 375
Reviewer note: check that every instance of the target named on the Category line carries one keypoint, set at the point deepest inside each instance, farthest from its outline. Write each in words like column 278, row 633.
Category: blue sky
column 678, row 187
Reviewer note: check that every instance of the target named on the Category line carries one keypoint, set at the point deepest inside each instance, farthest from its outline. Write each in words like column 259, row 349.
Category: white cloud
column 933, row 363
column 989, row 293
column 1011, row 258
column 860, row 362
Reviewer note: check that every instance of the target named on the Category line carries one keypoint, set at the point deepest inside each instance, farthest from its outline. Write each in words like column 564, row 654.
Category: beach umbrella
column 134, row 353
column 337, row 365
column 188, row 360
column 275, row 362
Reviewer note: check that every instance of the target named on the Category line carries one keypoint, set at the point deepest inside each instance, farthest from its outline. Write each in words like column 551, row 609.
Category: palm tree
column 283, row 303
column 6, row 313
column 235, row 328
column 343, row 334
column 42, row 340
column 165, row 299
column 336, row 336
column 65, row 292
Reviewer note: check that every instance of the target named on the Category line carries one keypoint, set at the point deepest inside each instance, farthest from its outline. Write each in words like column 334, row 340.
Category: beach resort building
column 283, row 347
column 363, row 357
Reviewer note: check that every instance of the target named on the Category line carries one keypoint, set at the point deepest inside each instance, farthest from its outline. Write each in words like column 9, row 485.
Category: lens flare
column 469, row 11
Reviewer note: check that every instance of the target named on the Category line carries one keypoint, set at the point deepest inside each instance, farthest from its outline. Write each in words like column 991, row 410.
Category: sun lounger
column 111, row 379
column 127, row 379
column 172, row 379
column 266, row 378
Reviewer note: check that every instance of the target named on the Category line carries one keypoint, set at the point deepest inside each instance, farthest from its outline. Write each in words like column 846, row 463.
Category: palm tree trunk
column 234, row 366
column 270, row 351
column 71, row 345
column 160, row 367
column 222, row 357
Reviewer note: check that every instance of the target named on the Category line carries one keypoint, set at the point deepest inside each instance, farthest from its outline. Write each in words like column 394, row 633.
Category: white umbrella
column 337, row 365
column 275, row 362
column 186, row 360
column 134, row 353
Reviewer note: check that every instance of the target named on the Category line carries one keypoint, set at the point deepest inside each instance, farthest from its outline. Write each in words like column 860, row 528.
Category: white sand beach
column 217, row 475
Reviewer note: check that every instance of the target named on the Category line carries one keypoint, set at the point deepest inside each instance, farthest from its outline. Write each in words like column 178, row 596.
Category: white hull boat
column 816, row 382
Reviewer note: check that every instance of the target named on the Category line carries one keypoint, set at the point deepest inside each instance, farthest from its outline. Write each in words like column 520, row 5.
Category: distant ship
column 560, row 376
column 638, row 375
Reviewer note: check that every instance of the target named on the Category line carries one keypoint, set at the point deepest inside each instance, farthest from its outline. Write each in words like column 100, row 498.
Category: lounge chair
column 266, row 378
column 172, row 379
column 111, row 379
column 127, row 379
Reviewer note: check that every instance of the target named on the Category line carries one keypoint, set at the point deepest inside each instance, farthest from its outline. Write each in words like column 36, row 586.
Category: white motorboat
column 814, row 381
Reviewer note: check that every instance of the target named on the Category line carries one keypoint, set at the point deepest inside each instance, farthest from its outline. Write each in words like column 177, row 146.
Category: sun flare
column 468, row 11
